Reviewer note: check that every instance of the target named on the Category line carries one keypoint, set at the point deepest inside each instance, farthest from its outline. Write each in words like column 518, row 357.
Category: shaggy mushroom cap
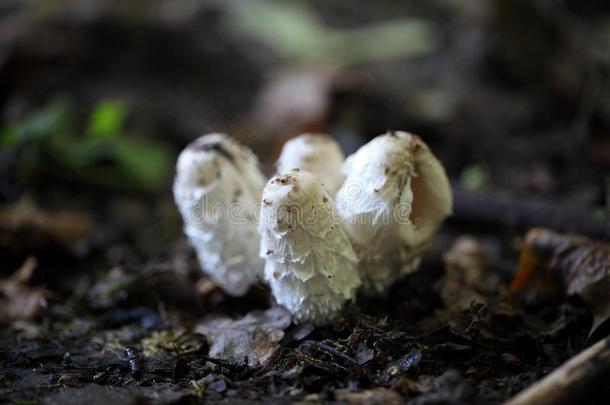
column 393, row 200
column 316, row 153
column 217, row 189
column 309, row 260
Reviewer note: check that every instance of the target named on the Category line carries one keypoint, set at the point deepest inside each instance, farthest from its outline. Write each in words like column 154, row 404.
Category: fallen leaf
column 583, row 265
column 23, row 223
column 466, row 275
column 20, row 301
column 254, row 337
column 176, row 341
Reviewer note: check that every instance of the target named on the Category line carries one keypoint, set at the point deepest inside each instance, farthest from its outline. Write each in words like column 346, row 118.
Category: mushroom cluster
column 322, row 227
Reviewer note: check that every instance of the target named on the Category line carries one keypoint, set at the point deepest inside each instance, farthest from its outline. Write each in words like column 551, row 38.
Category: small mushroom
column 217, row 189
column 393, row 200
column 315, row 153
column 309, row 260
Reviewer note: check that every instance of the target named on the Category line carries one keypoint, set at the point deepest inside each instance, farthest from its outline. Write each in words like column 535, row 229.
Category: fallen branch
column 585, row 375
column 497, row 210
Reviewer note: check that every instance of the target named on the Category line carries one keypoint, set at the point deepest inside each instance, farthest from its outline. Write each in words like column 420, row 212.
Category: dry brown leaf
column 20, row 301
column 25, row 222
column 255, row 336
column 582, row 263
column 466, row 276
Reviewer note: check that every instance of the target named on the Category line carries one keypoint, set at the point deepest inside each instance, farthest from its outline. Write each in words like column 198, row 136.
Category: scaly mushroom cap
column 316, row 153
column 393, row 200
column 217, row 189
column 309, row 260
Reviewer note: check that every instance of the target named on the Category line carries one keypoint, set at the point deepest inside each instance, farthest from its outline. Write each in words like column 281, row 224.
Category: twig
column 581, row 377
column 333, row 351
column 496, row 210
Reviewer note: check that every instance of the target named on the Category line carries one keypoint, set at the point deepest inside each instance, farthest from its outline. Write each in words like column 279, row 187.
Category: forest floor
column 102, row 300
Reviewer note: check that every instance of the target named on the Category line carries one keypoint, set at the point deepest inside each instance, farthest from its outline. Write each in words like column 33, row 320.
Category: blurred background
column 97, row 98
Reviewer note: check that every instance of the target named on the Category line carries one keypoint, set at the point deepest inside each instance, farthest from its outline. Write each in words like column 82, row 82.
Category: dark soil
column 529, row 114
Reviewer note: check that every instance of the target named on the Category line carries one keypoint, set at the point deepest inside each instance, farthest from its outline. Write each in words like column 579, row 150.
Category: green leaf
column 107, row 119
column 8, row 135
column 101, row 157
column 294, row 32
column 54, row 119
column 288, row 27
column 144, row 162
column 117, row 162
column 601, row 214
column 382, row 41
column 78, row 153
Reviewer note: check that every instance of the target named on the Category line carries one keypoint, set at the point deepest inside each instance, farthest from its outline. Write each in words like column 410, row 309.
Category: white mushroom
column 309, row 260
column 394, row 198
column 315, row 153
column 217, row 189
